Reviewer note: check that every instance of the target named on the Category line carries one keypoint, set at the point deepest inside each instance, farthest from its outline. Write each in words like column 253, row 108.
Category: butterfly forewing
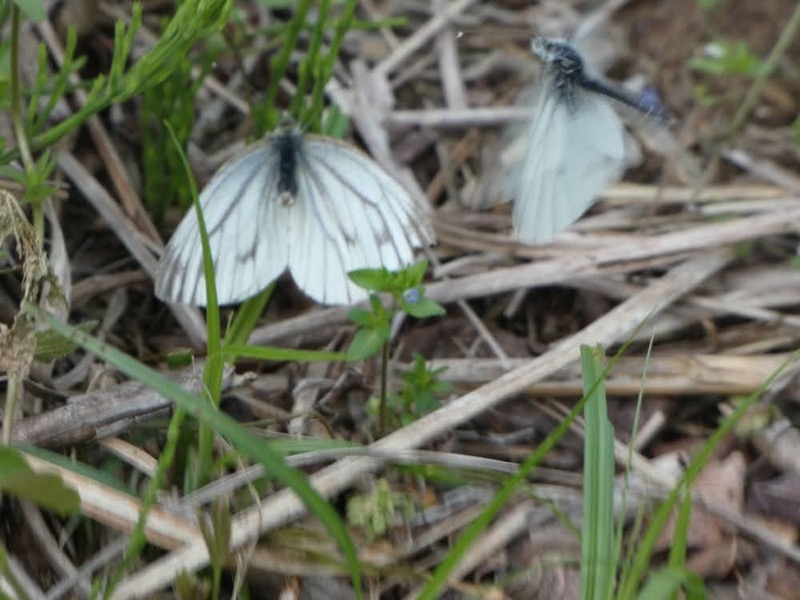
column 535, row 175
column 583, row 154
column 339, row 234
column 238, row 219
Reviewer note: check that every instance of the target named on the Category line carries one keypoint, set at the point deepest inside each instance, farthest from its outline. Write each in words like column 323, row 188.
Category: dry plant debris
column 694, row 253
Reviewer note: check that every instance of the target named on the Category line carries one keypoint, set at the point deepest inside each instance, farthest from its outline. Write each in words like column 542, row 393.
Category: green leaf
column 680, row 540
column 51, row 346
column 179, row 358
column 336, row 122
column 666, row 583
column 378, row 509
column 373, row 280
column 32, row 9
column 217, row 531
column 423, row 307
column 694, row 587
column 45, row 489
column 361, row 317
column 368, row 342
column 416, row 273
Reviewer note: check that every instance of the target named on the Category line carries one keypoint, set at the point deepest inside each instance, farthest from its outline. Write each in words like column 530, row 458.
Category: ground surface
column 694, row 252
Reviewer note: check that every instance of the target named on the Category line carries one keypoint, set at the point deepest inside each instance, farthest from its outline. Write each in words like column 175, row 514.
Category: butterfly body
column 287, row 147
column 564, row 65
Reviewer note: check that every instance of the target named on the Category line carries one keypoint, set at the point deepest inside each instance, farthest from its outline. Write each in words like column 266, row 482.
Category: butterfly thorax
column 288, row 150
column 564, row 65
column 566, row 69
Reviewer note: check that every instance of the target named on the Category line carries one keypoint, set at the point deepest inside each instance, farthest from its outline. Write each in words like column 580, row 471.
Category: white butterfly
column 576, row 145
column 310, row 204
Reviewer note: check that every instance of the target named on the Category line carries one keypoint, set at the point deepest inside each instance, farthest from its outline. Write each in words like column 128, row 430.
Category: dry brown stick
column 671, row 374
column 120, row 510
column 446, row 118
column 627, row 193
column 26, row 582
column 59, row 561
column 105, row 412
column 284, row 505
column 420, row 38
column 449, row 66
column 765, row 169
column 642, row 247
column 752, row 303
column 142, row 249
column 91, row 565
column 228, row 484
column 94, row 285
column 702, row 238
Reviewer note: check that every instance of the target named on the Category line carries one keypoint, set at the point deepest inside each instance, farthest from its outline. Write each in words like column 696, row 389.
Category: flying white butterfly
column 310, row 204
column 576, row 145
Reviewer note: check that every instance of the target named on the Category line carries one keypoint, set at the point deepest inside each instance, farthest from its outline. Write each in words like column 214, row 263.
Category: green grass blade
column 279, row 354
column 246, row 318
column 212, row 371
column 680, row 541
column 598, row 550
column 623, row 509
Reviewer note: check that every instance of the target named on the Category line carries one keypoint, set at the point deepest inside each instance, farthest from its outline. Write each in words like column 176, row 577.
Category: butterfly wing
column 349, row 214
column 247, row 232
column 574, row 152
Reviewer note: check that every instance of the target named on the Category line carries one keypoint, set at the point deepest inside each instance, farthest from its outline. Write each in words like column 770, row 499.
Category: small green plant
column 377, row 510
column 725, row 58
column 216, row 528
column 407, row 294
column 421, row 391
